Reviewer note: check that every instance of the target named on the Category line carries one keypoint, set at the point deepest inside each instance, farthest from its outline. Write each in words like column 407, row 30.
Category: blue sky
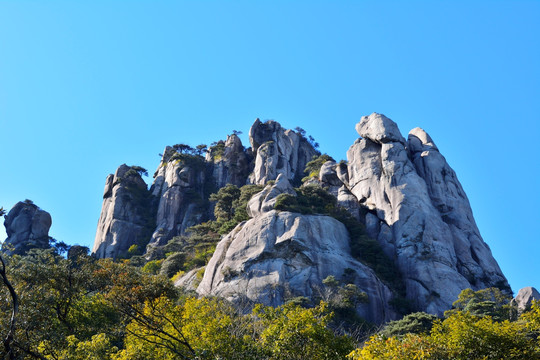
column 87, row 86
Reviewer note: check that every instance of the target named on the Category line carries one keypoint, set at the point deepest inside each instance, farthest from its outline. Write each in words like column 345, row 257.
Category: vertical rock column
column 126, row 214
column 413, row 216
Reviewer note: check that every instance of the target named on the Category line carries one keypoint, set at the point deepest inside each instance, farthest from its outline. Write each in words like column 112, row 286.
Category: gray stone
column 280, row 255
column 346, row 199
column 524, row 298
column 328, row 175
column 179, row 189
column 265, row 200
column 125, row 214
column 278, row 151
column 474, row 257
column 190, row 280
column 373, row 225
column 27, row 227
column 233, row 165
column 437, row 260
column 380, row 129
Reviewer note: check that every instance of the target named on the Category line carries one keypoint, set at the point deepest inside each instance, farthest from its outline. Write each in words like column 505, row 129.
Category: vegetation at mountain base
column 467, row 331
column 84, row 308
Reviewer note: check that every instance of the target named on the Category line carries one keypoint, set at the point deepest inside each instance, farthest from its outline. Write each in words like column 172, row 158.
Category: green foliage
column 99, row 347
column 313, row 167
column 172, row 264
column 292, row 332
column 217, row 150
column 486, row 302
column 224, row 198
column 152, row 267
column 134, row 250
column 83, row 308
column 231, row 205
column 134, row 169
column 415, row 323
column 194, row 161
column 62, row 297
column 240, row 204
column 310, row 199
column 462, row 335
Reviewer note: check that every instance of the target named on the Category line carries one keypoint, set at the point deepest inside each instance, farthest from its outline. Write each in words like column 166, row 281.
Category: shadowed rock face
column 125, row 213
column 27, row 227
column 231, row 163
column 179, row 190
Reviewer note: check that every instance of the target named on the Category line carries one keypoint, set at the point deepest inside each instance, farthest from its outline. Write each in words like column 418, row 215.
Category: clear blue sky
column 88, row 85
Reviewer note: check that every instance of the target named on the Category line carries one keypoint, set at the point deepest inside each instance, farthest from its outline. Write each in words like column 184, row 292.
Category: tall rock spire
column 423, row 218
column 126, row 215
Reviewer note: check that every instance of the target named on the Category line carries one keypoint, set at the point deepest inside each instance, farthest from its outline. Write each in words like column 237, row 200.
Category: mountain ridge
column 403, row 193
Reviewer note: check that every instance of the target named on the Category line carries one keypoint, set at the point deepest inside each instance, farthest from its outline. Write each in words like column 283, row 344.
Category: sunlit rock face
column 278, row 151
column 524, row 298
column 280, row 255
column 27, row 227
column 402, row 190
column 423, row 217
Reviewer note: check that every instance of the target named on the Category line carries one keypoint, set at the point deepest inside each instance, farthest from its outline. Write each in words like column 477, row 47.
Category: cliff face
column 278, row 151
column 179, row 190
column 125, row 215
column 403, row 192
column 27, row 227
column 419, row 213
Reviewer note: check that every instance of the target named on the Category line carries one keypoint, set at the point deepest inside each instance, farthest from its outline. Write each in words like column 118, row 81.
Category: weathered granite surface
column 125, row 216
column 280, row 255
column 27, row 227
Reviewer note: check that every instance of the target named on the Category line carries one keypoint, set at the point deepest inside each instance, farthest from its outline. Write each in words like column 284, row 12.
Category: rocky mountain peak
column 419, row 140
column 278, row 151
column 405, row 209
column 379, row 129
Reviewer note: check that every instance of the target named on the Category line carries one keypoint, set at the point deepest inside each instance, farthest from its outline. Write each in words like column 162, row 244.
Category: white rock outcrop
column 425, row 220
column 178, row 189
column 524, row 298
column 280, row 255
column 278, row 151
column 231, row 162
column 265, row 200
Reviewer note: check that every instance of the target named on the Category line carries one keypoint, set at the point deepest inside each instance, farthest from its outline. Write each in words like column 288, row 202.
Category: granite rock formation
column 278, row 151
column 425, row 221
column 281, row 255
column 402, row 190
column 125, row 214
column 524, row 298
column 27, row 227
column 231, row 163
column 179, row 190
